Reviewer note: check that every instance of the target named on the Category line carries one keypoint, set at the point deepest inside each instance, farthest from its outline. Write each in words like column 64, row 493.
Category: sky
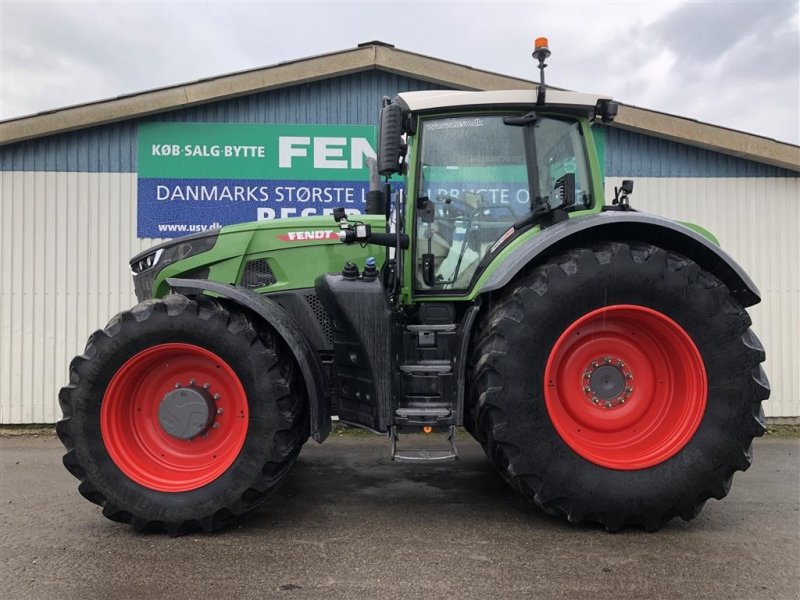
column 735, row 64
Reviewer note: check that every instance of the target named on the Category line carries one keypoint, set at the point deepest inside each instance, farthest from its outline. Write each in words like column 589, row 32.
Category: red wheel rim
column 625, row 387
column 131, row 430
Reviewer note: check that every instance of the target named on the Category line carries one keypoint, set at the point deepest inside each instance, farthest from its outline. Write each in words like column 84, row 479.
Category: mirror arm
column 541, row 210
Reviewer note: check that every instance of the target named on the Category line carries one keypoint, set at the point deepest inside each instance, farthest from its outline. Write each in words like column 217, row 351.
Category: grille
column 143, row 286
column 322, row 317
column 257, row 274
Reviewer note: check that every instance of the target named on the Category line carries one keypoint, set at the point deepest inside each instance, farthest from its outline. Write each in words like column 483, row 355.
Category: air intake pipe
column 376, row 201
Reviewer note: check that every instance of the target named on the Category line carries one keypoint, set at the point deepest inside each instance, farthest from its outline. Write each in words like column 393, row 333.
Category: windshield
column 476, row 181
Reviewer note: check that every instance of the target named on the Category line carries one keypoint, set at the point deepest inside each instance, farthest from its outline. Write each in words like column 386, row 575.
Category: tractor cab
column 481, row 169
column 478, row 174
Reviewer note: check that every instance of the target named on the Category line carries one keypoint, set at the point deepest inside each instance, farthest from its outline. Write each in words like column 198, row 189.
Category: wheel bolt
column 594, row 400
column 621, row 364
column 607, row 360
column 177, row 386
column 219, row 411
column 628, row 390
column 628, row 375
column 216, row 396
column 608, row 403
column 206, row 386
column 587, row 388
column 191, row 382
column 215, row 425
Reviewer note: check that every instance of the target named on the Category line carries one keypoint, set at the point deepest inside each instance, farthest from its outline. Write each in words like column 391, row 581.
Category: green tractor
column 601, row 356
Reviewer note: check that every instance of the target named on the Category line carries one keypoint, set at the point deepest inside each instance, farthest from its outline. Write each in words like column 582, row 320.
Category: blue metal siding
column 348, row 100
column 104, row 149
column 629, row 154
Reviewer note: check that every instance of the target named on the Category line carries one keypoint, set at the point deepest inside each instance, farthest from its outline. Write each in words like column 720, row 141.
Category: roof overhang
column 711, row 137
column 377, row 55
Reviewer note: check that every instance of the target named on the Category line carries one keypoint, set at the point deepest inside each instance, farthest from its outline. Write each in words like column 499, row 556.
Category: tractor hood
column 267, row 256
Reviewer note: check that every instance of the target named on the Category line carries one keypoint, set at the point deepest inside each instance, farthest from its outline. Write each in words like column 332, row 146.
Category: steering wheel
column 446, row 198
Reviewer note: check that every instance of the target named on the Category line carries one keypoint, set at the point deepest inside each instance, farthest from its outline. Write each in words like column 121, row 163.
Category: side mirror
column 607, row 110
column 627, row 186
column 563, row 192
column 621, row 194
column 391, row 148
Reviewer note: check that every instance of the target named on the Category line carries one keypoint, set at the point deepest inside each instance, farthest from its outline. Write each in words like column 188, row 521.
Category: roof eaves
column 435, row 70
column 711, row 137
column 181, row 96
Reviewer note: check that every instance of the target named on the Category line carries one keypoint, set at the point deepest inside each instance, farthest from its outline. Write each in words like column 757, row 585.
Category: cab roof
column 443, row 99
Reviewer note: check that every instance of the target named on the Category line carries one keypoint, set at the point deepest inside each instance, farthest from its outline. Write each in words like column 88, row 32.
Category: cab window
column 475, row 183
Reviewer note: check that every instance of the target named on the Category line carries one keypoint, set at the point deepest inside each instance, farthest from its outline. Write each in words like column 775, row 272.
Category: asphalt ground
column 349, row 523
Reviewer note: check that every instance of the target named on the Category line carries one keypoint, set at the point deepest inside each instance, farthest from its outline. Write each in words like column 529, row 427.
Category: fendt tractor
column 601, row 356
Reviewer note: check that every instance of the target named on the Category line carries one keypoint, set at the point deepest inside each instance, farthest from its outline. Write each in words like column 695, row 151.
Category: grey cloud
column 705, row 30
column 732, row 64
column 110, row 50
column 58, row 54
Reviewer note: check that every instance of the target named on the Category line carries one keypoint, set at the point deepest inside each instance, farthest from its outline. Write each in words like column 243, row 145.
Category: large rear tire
column 617, row 384
column 182, row 415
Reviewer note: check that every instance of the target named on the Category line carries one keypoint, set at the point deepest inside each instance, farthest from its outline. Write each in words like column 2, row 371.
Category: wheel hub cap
column 186, row 412
column 607, row 382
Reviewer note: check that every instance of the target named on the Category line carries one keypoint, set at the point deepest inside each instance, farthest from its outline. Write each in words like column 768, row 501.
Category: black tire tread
column 275, row 359
column 487, row 420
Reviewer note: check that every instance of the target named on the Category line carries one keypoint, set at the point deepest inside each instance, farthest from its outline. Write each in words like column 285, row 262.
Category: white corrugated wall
column 757, row 222
column 66, row 238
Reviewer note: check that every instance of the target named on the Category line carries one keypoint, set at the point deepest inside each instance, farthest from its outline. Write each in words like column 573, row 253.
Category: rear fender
column 619, row 225
column 291, row 333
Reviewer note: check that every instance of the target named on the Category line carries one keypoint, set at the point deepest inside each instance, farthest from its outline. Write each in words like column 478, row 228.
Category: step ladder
column 426, row 399
column 424, row 455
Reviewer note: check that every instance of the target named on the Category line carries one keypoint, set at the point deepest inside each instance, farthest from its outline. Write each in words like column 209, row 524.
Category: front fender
column 620, row 225
column 291, row 333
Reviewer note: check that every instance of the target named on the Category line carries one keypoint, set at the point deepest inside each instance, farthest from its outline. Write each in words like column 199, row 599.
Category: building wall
column 65, row 239
column 68, row 227
column 754, row 211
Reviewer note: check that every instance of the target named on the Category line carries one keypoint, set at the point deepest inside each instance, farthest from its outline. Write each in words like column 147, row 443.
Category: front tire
column 617, row 384
column 181, row 415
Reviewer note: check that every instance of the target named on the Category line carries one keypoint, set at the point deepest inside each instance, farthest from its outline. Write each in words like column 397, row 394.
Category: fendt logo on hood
column 304, row 236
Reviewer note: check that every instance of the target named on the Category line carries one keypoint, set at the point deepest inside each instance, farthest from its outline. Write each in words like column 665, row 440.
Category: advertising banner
column 197, row 176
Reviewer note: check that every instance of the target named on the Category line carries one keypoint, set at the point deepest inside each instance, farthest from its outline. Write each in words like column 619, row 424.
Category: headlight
column 170, row 252
column 145, row 266
column 146, row 262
